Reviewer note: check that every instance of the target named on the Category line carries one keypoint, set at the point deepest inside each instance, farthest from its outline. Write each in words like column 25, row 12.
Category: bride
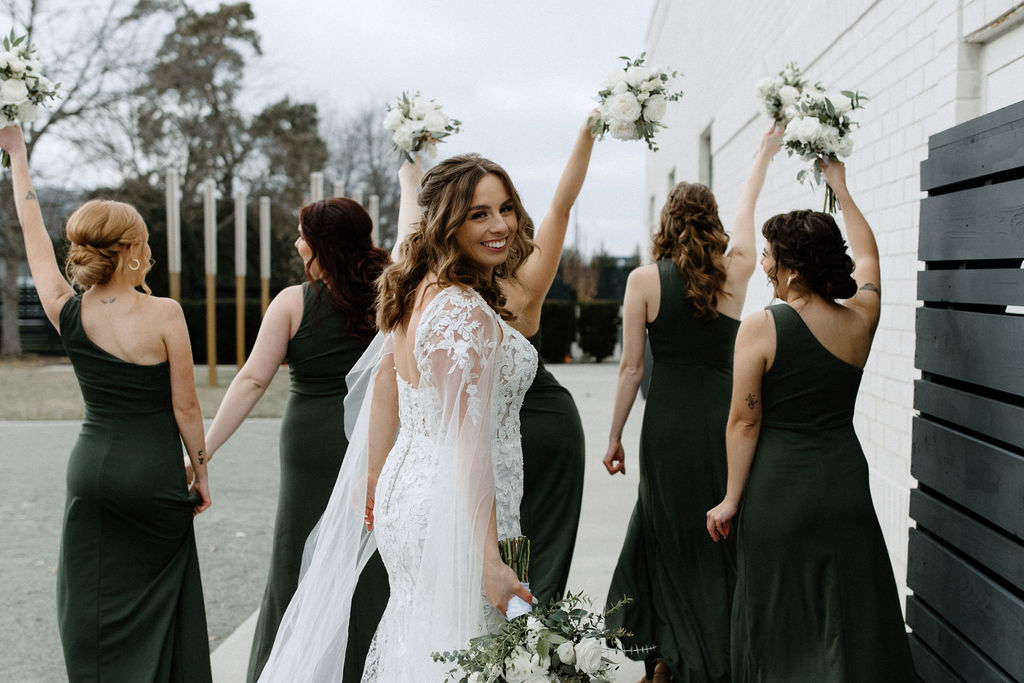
column 436, row 499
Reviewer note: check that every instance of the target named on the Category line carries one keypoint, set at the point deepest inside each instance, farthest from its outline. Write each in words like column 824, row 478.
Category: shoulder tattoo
column 871, row 287
column 751, row 401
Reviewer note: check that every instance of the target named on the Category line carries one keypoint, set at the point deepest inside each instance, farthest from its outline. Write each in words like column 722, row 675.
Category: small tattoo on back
column 108, row 301
column 871, row 287
column 751, row 401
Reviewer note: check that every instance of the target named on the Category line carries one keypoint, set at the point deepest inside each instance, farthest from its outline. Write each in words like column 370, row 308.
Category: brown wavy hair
column 339, row 233
column 810, row 243
column 691, row 234
column 446, row 194
column 100, row 232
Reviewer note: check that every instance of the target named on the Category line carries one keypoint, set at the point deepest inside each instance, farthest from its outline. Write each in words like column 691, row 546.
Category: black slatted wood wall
column 966, row 556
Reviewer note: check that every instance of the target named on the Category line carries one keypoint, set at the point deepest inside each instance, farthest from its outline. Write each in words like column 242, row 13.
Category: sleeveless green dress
column 312, row 447
column 680, row 581
column 554, row 450
column 129, row 595
column 815, row 596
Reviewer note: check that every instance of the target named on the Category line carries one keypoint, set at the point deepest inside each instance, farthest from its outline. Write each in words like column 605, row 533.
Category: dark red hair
column 339, row 234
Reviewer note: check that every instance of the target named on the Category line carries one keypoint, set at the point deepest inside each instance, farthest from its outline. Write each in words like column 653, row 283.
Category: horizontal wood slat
column 950, row 648
column 979, row 348
column 995, row 286
column 981, row 223
column 994, row 418
column 988, row 144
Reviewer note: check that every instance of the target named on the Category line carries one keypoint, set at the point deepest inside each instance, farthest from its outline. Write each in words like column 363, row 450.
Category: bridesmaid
column 688, row 303
column 320, row 327
column 129, row 595
column 552, row 433
column 815, row 596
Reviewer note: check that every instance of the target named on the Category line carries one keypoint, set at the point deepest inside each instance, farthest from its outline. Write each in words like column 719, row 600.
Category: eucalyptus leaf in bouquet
column 780, row 94
column 417, row 124
column 23, row 87
column 633, row 101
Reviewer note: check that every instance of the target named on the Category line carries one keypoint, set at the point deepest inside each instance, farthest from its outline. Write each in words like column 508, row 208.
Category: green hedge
column 195, row 318
column 599, row 327
column 558, row 330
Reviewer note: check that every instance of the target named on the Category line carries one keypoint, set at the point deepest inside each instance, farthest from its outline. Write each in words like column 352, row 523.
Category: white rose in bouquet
column 394, row 119
column 620, row 88
column 566, row 653
column 27, row 112
column 806, row 129
column 623, row 130
column 420, row 107
column 403, row 137
column 789, row 95
column 523, row 666
column 840, row 102
column 764, row 86
column 636, row 75
column 16, row 64
column 828, row 139
column 655, row 108
column 624, row 107
column 13, row 91
column 790, row 112
column 845, row 147
column 435, row 121
column 588, row 656
column 613, row 79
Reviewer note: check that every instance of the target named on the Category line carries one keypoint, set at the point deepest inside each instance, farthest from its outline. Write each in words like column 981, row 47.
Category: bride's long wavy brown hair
column 691, row 234
column 446, row 195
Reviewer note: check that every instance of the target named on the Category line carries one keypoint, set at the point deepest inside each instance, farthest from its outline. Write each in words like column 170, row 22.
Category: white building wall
column 909, row 56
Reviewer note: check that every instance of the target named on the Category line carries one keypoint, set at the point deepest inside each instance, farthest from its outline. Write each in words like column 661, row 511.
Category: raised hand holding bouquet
column 417, row 124
column 23, row 87
column 821, row 131
column 781, row 94
column 633, row 101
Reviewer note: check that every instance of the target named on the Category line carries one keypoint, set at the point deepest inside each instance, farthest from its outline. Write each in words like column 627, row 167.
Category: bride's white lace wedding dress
column 457, row 460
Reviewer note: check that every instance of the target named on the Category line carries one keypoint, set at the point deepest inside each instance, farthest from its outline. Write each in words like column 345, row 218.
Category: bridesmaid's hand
column 410, row 173
column 615, row 458
column 719, row 519
column 500, row 584
column 371, row 496
column 201, row 487
column 11, row 139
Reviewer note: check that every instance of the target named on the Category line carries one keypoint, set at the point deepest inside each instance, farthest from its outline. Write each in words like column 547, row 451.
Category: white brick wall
column 909, row 58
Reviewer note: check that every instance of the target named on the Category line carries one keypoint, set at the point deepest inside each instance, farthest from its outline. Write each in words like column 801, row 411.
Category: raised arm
column 409, row 176
column 743, row 254
column 631, row 367
column 383, row 427
column 278, row 326
column 51, row 286
column 863, row 248
column 540, row 268
column 754, row 348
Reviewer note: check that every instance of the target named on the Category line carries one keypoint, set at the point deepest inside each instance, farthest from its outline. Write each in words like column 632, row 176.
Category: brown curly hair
column 691, row 234
column 100, row 232
column 339, row 234
column 810, row 243
column 446, row 194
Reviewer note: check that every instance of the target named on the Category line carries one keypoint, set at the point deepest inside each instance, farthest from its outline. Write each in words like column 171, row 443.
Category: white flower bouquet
column 781, row 94
column 417, row 124
column 23, row 87
column 821, row 130
column 633, row 101
column 562, row 642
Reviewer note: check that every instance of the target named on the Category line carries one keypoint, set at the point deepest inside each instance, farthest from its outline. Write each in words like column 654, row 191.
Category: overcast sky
column 521, row 76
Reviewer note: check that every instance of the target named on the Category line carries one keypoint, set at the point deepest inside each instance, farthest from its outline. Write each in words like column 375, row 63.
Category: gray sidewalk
column 234, row 534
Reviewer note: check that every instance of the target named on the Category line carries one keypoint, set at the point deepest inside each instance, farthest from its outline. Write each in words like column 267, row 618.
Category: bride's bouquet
column 633, row 100
column 821, row 130
column 417, row 124
column 781, row 94
column 561, row 642
column 23, row 87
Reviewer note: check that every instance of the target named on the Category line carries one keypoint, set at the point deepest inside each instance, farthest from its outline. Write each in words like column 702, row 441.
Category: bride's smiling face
column 484, row 237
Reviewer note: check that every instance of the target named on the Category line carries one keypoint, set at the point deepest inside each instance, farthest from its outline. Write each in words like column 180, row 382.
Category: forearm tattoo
column 871, row 287
column 31, row 196
column 201, row 456
column 751, row 401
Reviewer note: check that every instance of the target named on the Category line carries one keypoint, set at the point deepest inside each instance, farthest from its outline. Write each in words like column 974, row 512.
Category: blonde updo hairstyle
column 101, row 231
column 692, row 236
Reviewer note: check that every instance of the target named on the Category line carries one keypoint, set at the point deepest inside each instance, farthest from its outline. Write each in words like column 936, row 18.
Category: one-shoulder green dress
column 129, row 594
column 312, row 447
column 554, row 454
column 680, row 581
column 815, row 596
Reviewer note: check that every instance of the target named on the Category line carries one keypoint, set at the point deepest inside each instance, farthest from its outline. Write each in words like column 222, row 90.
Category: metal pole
column 240, row 237
column 339, row 188
column 173, row 236
column 210, row 249
column 264, row 254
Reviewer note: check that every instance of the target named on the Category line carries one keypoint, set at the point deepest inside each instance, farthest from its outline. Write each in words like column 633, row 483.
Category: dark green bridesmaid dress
column 554, row 451
column 815, row 596
column 312, row 448
column 680, row 581
column 129, row 595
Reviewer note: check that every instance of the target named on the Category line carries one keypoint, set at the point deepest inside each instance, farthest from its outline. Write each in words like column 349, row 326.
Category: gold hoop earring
column 138, row 264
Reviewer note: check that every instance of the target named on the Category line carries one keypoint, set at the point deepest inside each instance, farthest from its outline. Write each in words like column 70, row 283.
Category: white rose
column 420, row 107
column 435, row 121
column 403, row 137
column 16, row 64
column 790, row 112
column 566, row 653
column 845, row 147
column 642, row 96
column 840, row 102
column 654, row 108
column 44, row 84
column 789, row 95
column 805, row 129
column 13, row 91
column 519, row 665
column 393, row 119
column 620, row 87
column 588, row 656
column 623, row 130
column 764, row 86
column 476, row 677
column 624, row 107
column 613, row 79
column 635, row 75
column 828, row 139
column 27, row 112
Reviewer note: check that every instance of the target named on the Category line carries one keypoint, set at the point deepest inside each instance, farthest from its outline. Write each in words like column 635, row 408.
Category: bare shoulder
column 758, row 326
column 645, row 278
